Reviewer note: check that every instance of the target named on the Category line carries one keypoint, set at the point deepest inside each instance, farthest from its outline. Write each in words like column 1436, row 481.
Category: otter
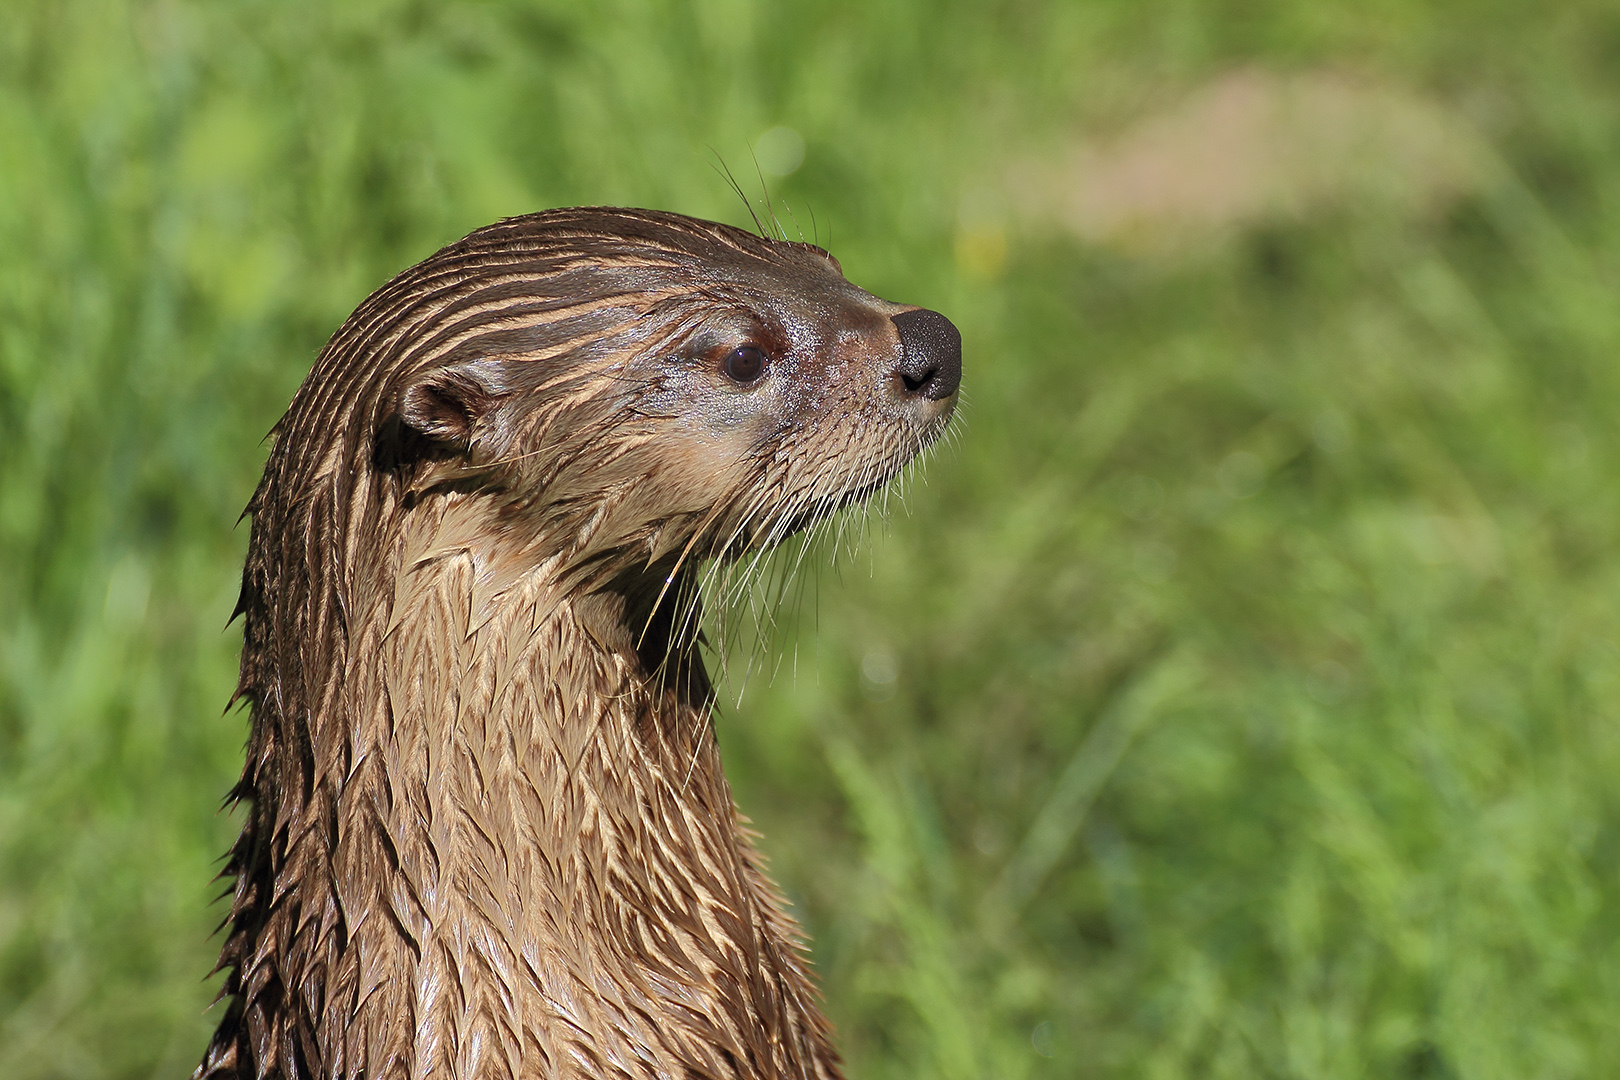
column 487, row 833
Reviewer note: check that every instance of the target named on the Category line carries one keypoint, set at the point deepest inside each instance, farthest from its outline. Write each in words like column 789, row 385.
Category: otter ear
column 445, row 404
column 437, row 414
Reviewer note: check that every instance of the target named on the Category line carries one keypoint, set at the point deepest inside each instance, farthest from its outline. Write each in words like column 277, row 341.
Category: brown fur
column 487, row 830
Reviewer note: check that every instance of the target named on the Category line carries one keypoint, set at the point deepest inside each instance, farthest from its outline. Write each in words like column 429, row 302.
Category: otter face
column 796, row 393
column 643, row 386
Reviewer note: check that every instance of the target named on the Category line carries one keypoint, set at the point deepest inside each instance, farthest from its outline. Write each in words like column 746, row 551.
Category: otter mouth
column 823, row 507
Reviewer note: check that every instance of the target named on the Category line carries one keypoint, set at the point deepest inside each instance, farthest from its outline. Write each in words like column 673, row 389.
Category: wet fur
column 487, row 832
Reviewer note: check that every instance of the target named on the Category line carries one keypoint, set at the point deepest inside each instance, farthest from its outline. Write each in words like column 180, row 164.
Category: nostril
column 914, row 384
column 931, row 348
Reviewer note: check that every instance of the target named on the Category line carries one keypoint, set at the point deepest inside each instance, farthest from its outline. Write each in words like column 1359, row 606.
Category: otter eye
column 744, row 365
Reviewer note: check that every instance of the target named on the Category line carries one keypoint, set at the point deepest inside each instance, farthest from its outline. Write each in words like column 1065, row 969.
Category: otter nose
column 931, row 357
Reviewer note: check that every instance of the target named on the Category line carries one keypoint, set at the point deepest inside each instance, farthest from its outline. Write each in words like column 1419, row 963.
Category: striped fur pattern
column 487, row 832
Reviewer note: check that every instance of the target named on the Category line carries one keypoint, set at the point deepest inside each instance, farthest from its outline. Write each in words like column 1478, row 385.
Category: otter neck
column 537, row 857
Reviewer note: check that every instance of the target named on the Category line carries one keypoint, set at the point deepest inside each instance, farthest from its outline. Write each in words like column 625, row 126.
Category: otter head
column 640, row 391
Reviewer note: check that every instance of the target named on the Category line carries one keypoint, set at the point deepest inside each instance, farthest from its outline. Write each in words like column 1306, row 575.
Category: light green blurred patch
column 1290, row 346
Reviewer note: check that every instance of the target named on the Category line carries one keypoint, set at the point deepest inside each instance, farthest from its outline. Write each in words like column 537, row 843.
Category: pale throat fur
column 488, row 834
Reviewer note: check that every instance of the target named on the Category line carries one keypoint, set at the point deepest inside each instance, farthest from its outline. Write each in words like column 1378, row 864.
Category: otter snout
column 931, row 354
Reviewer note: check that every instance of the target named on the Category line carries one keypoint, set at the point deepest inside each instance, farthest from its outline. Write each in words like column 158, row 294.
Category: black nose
column 932, row 360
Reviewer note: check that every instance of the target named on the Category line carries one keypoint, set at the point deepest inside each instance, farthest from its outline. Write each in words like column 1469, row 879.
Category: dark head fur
column 487, row 831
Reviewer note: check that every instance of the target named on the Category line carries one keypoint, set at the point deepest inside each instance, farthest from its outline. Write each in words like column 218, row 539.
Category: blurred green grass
column 1236, row 698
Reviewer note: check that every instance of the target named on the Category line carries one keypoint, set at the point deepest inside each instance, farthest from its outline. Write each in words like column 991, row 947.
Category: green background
column 1236, row 697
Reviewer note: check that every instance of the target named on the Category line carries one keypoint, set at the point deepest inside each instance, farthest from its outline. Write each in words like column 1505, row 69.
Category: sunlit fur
column 487, row 833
